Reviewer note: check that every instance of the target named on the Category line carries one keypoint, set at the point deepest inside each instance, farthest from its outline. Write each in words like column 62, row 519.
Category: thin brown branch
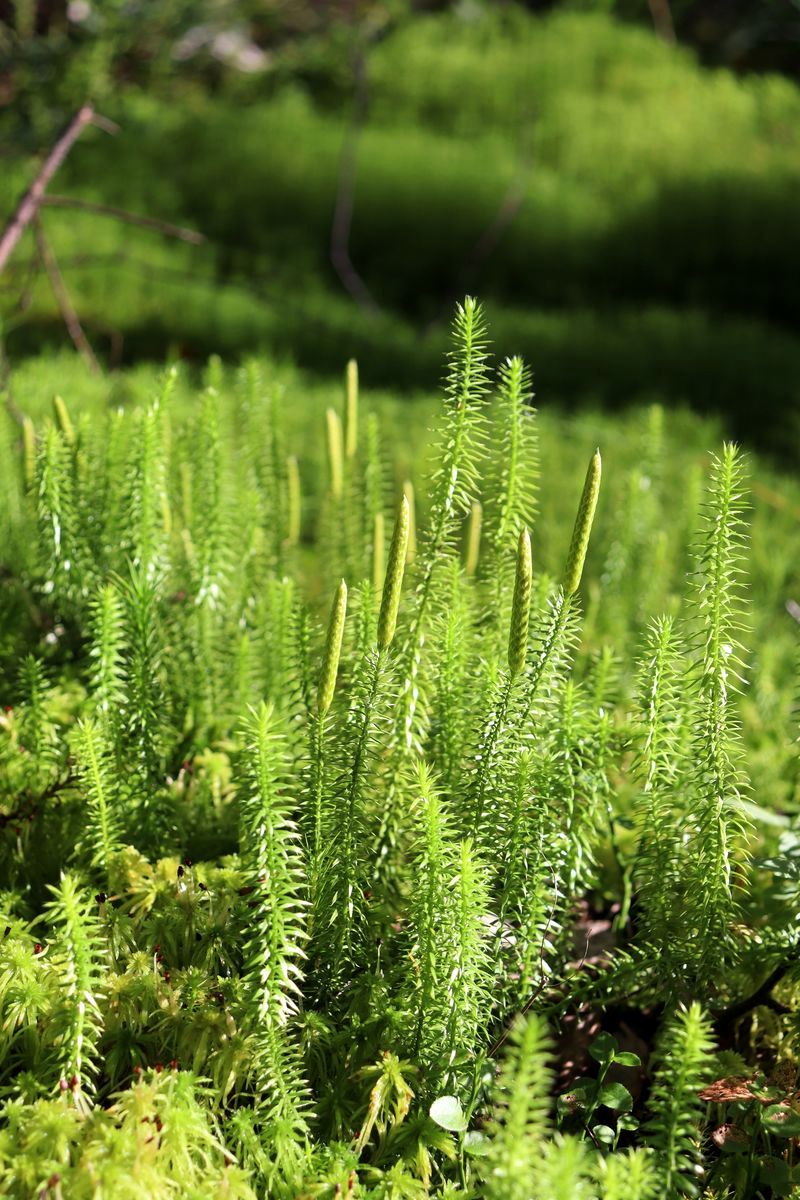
column 30, row 277
column 345, row 198
column 31, row 804
column 103, row 123
column 29, row 204
column 491, row 236
column 774, row 499
column 662, row 19
column 120, row 214
column 762, row 996
column 68, row 313
column 483, row 248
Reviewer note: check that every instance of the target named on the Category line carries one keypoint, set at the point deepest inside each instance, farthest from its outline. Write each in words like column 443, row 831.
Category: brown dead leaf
column 722, row 1091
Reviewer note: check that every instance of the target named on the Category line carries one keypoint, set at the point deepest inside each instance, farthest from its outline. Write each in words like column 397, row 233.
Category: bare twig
column 121, row 214
column 29, row 204
column 662, row 19
column 345, row 197
column 774, row 499
column 762, row 996
column 103, row 123
column 74, row 327
column 25, row 296
column 488, row 241
column 31, row 803
column 484, row 247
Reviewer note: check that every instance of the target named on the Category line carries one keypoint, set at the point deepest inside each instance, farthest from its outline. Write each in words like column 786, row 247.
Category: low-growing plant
column 306, row 840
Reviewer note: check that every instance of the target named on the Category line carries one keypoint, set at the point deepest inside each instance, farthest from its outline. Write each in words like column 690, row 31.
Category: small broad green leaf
column 731, row 1139
column 774, row 1173
column 578, row 1096
column 626, row 1058
column 616, row 1096
column 447, row 1112
column 477, row 1144
column 627, row 1121
column 604, row 1134
column 604, row 1048
column 782, row 1121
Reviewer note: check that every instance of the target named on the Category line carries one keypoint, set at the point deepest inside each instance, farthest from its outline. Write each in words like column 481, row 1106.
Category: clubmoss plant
column 681, row 1065
column 273, row 951
column 310, row 888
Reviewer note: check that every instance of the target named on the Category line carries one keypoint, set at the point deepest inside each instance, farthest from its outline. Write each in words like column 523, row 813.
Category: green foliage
column 681, row 1068
column 159, row 1135
column 520, row 607
column 511, row 493
column 76, row 957
column 717, row 815
column 338, row 901
column 521, row 1120
column 692, row 816
column 273, row 868
column 454, row 486
column 659, row 858
column 97, row 771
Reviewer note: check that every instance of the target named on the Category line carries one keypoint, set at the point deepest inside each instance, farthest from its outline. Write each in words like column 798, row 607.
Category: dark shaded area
column 743, row 34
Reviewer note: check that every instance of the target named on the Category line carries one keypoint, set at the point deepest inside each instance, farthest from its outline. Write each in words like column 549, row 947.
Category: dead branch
column 761, row 996
column 483, row 248
column 345, row 197
column 121, row 214
column 70, row 317
column 662, row 19
column 29, row 204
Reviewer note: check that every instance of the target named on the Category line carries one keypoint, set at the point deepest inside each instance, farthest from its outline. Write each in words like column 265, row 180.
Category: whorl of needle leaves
column 393, row 582
column 680, row 1068
column 333, row 648
column 583, row 526
column 521, row 607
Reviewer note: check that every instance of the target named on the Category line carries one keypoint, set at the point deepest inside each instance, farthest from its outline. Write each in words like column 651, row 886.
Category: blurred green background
column 618, row 181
